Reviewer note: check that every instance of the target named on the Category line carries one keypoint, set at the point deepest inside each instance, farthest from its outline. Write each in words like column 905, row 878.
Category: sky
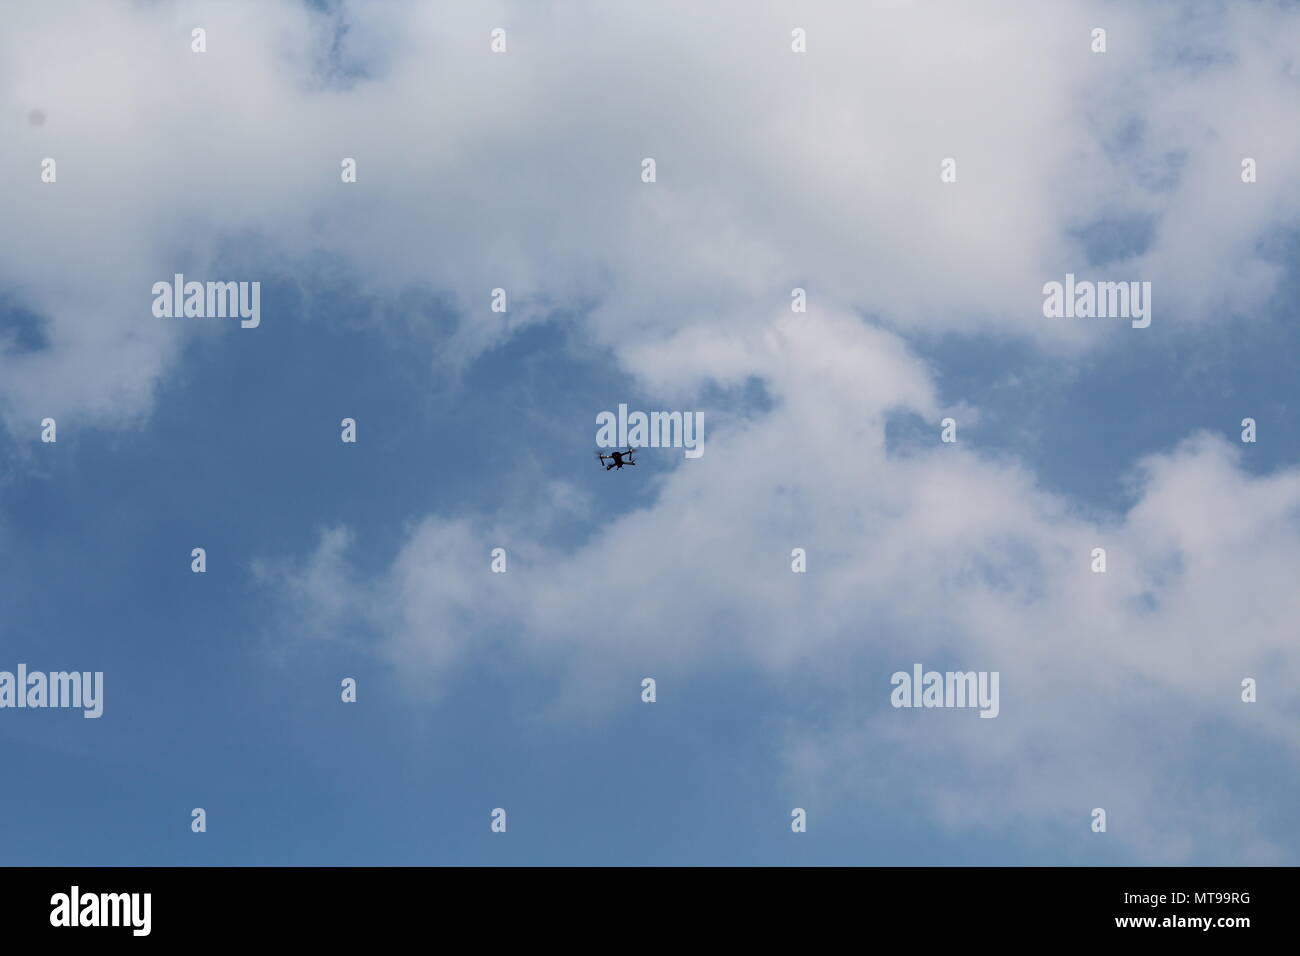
column 775, row 170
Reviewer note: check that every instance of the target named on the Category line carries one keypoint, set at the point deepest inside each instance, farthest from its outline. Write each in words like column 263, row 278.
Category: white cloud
column 775, row 170
column 1109, row 682
column 521, row 170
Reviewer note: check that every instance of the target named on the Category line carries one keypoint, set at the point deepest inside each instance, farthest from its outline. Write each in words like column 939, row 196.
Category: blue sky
column 476, row 430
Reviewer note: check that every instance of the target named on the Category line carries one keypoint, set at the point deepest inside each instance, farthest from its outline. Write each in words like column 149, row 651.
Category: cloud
column 775, row 170
column 929, row 553
column 521, row 170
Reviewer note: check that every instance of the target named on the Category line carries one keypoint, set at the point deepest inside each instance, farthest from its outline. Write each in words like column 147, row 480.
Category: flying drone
column 618, row 459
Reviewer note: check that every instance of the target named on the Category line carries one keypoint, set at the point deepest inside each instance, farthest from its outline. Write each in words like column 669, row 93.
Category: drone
column 618, row 459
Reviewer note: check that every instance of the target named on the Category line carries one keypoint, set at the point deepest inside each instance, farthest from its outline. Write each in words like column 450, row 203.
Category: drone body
column 617, row 459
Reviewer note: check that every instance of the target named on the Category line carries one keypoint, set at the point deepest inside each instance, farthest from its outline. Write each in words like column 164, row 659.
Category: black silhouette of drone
column 618, row 459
